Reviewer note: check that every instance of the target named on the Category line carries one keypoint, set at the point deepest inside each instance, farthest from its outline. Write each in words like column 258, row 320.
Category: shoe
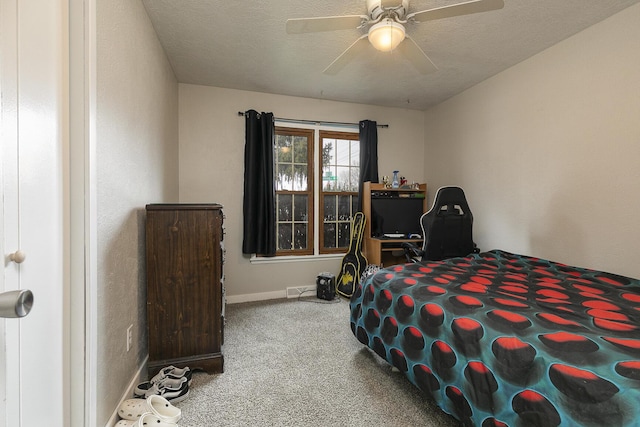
column 173, row 389
column 146, row 419
column 158, row 406
column 168, row 372
column 145, row 389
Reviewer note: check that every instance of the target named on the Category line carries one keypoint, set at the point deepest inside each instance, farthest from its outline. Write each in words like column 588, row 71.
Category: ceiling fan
column 386, row 19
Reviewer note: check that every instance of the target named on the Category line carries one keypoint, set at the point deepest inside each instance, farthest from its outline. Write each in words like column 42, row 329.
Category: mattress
column 503, row 339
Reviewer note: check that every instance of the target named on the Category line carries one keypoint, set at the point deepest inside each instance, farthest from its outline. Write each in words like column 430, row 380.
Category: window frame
column 332, row 134
column 310, row 134
column 315, row 216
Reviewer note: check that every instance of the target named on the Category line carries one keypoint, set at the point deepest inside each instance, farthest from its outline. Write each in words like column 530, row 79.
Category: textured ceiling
column 242, row 44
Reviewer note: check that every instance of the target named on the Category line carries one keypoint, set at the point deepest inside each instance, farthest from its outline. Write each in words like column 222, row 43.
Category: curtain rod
column 315, row 122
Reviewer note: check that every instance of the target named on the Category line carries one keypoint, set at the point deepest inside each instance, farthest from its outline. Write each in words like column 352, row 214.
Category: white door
column 34, row 136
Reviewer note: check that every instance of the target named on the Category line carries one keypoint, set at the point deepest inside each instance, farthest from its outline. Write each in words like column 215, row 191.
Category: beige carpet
column 296, row 363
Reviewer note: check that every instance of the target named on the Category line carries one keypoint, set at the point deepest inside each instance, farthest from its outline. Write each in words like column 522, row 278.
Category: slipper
column 146, row 419
column 132, row 409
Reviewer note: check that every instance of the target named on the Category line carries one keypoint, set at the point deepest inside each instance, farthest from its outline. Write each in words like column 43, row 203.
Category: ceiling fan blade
column 327, row 23
column 346, row 56
column 410, row 49
column 466, row 8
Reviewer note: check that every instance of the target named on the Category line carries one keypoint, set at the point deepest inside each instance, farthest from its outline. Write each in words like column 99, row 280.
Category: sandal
column 133, row 409
column 146, row 419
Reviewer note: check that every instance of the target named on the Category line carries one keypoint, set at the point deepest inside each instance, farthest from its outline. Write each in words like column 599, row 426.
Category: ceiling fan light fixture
column 386, row 35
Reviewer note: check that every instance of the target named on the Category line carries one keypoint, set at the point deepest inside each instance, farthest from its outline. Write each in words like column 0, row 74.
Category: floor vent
column 297, row 291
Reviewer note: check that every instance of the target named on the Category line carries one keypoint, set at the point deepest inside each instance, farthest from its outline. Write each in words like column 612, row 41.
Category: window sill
column 294, row 258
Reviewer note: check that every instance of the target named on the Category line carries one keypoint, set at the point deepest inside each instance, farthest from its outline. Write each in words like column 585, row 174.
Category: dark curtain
column 368, row 155
column 259, row 202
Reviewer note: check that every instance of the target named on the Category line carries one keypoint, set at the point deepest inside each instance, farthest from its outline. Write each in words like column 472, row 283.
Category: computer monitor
column 396, row 216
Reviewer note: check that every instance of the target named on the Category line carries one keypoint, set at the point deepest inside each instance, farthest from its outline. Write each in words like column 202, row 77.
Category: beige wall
column 549, row 150
column 211, row 168
column 137, row 149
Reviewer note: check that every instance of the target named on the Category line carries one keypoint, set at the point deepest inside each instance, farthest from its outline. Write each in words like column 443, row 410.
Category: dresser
column 185, row 286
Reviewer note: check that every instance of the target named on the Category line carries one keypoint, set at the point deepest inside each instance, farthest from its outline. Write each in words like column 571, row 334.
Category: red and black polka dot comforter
column 502, row 339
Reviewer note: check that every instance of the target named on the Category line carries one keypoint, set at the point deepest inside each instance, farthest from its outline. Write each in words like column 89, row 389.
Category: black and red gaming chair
column 447, row 228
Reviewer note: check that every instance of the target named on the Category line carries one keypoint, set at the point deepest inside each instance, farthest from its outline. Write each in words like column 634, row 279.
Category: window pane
column 354, row 177
column 329, row 235
column 283, row 148
column 300, row 177
column 343, row 151
column 344, row 230
column 329, row 178
column 300, row 149
column 330, row 208
column 344, row 208
column 284, row 178
column 355, row 153
column 344, row 179
column 284, row 236
column 300, row 207
column 354, row 203
column 328, row 160
column 300, row 237
column 284, row 207
column 328, row 151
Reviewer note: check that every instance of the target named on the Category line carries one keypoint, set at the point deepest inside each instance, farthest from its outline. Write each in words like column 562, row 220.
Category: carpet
column 296, row 363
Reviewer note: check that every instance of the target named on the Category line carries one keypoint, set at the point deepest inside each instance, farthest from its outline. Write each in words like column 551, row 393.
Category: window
column 294, row 191
column 335, row 189
column 339, row 192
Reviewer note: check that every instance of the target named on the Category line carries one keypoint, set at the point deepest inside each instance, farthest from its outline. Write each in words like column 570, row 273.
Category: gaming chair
column 447, row 228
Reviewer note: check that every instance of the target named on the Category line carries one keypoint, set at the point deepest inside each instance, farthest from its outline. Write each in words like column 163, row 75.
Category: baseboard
column 289, row 292
column 128, row 394
column 260, row 296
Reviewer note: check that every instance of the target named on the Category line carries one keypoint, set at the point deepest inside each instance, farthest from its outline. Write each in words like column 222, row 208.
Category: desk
column 381, row 251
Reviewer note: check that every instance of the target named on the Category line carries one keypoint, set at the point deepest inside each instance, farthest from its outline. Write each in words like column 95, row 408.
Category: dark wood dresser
column 185, row 286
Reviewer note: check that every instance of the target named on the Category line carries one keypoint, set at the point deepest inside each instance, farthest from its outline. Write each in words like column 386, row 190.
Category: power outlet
column 129, row 337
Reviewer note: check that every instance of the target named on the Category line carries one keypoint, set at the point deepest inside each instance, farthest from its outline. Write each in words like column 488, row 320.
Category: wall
column 137, row 149
column 211, row 168
column 548, row 151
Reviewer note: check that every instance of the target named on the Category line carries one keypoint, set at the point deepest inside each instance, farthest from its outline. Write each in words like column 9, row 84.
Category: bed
column 503, row 339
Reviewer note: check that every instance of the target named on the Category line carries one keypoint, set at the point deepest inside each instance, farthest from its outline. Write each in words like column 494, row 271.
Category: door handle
column 16, row 303
column 18, row 257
